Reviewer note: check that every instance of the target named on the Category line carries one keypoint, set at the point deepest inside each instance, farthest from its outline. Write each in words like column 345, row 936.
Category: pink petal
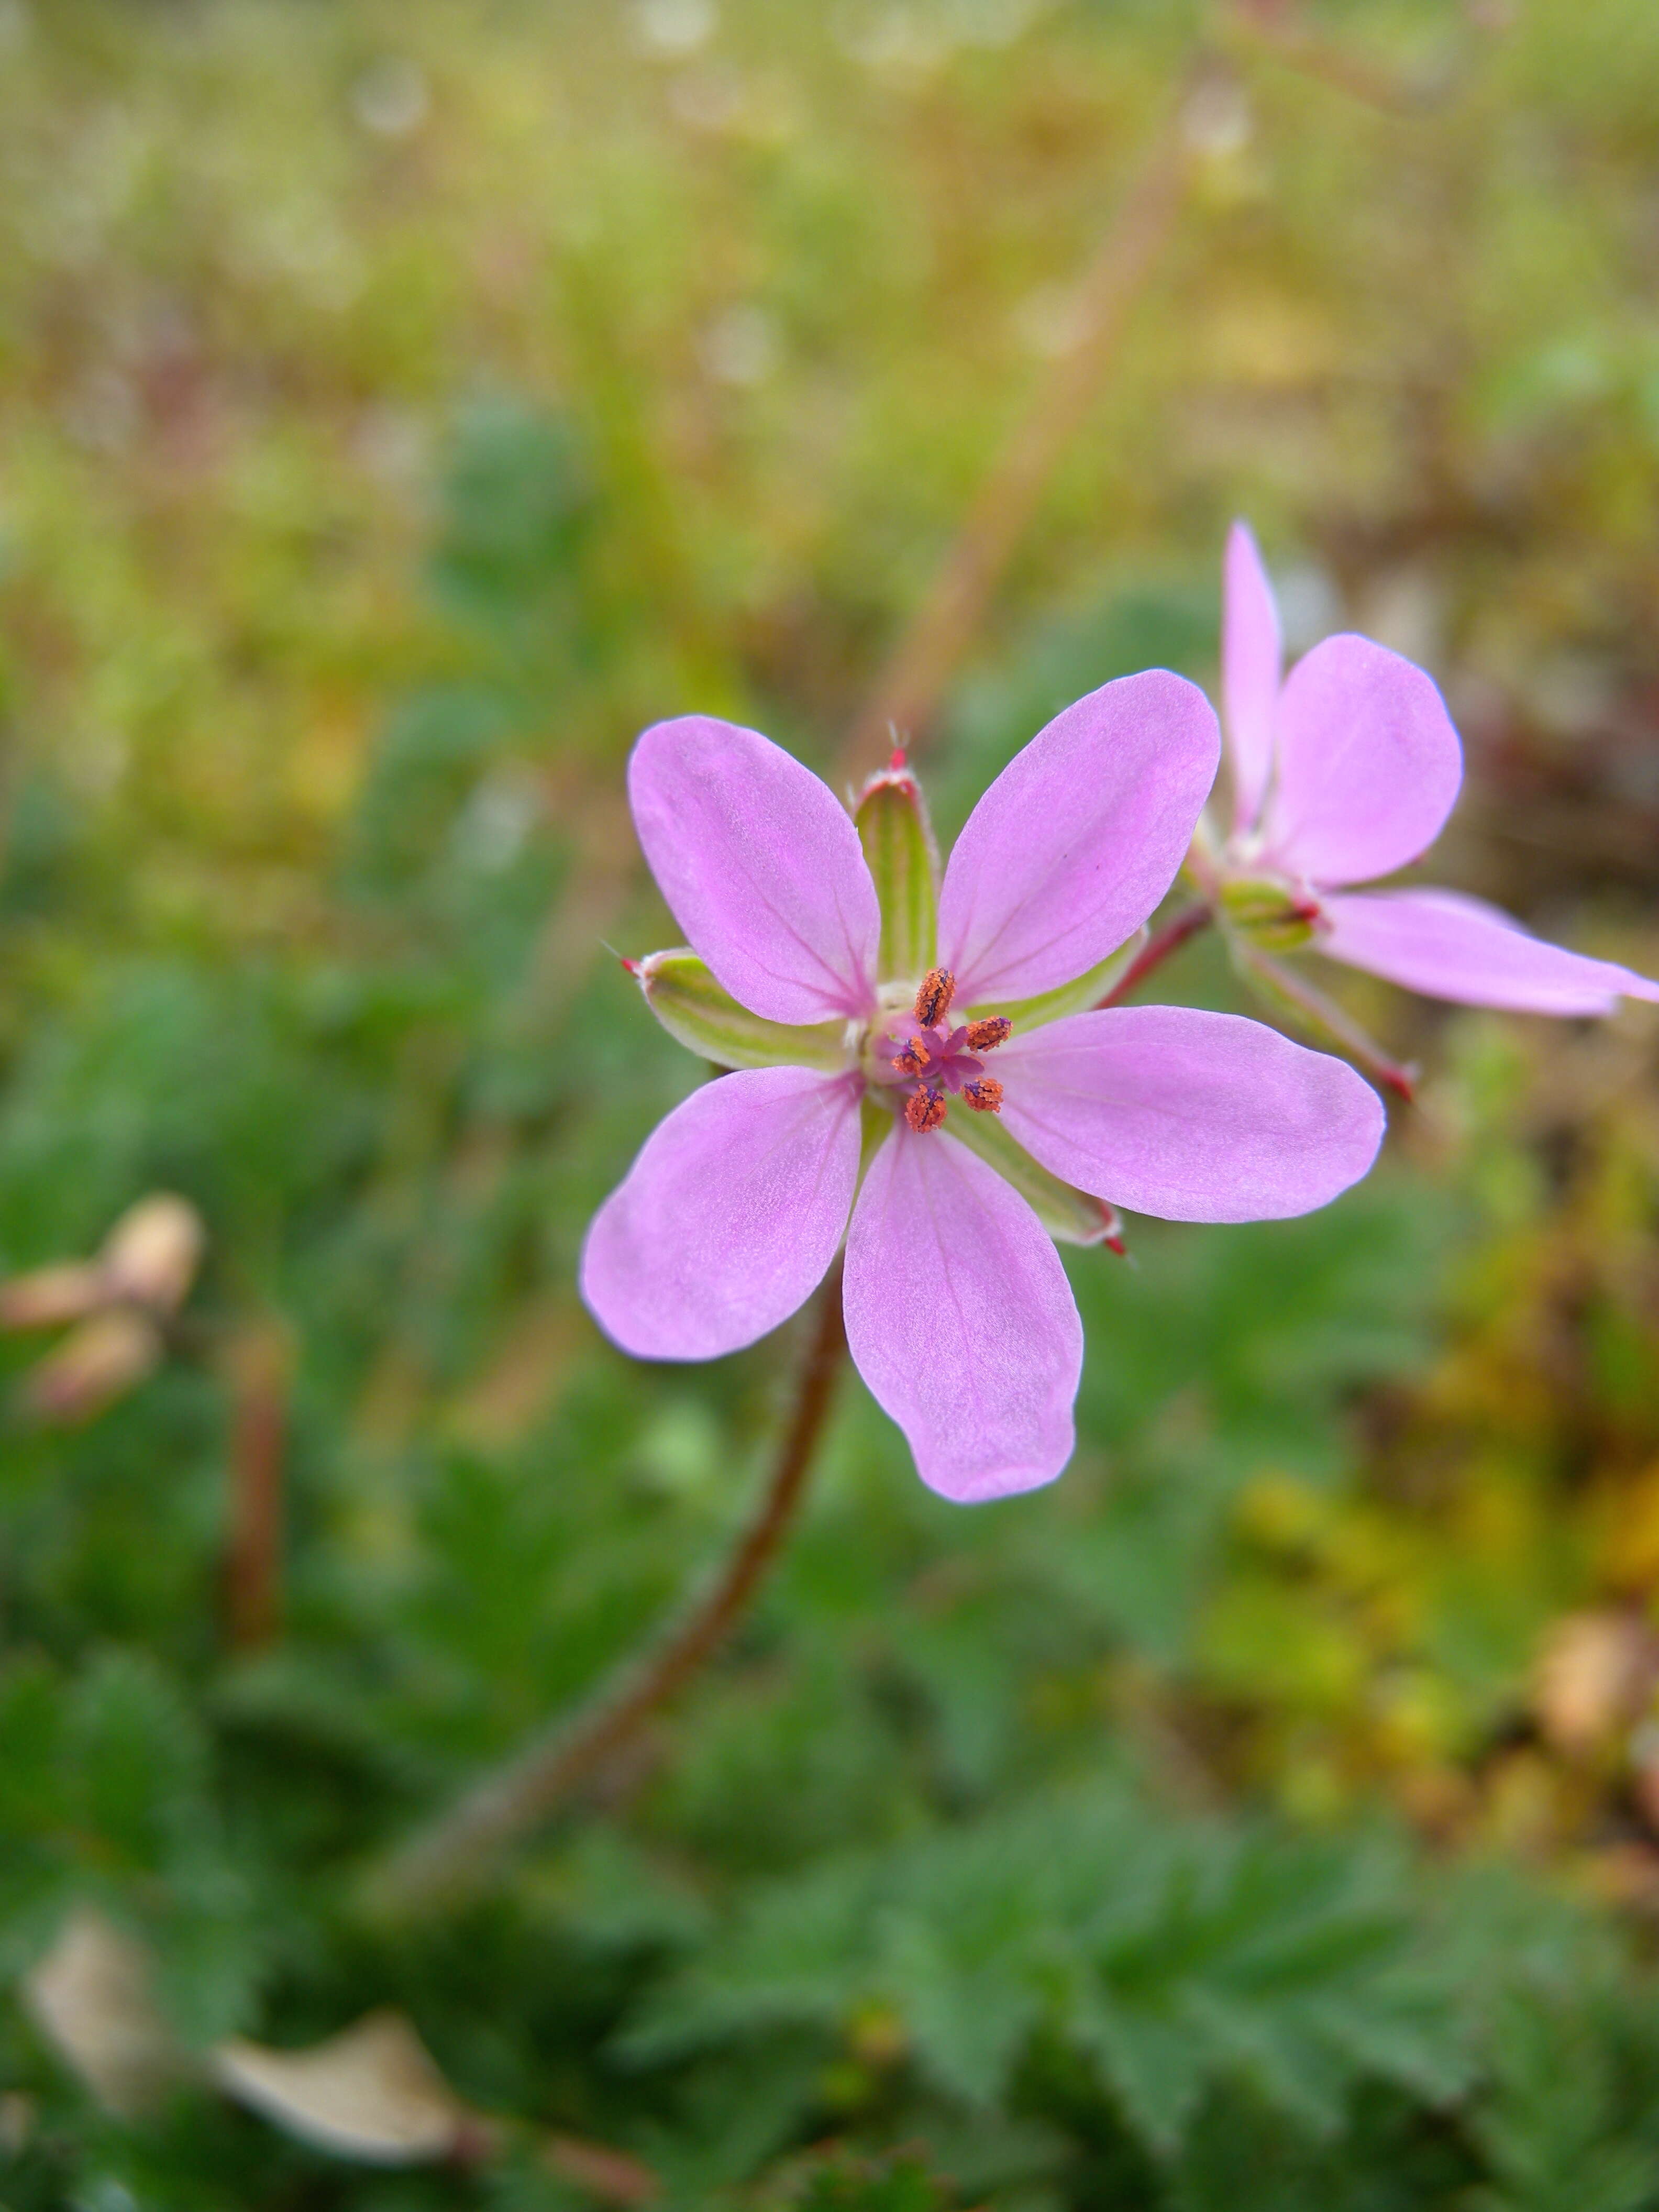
column 728, row 1218
column 1451, row 947
column 1252, row 657
column 1367, row 768
column 1078, row 839
column 1195, row 1116
column 961, row 1320
column 761, row 866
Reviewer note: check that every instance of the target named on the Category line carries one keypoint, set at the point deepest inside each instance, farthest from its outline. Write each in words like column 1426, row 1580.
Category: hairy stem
column 458, row 1851
column 1158, row 948
column 1315, row 1013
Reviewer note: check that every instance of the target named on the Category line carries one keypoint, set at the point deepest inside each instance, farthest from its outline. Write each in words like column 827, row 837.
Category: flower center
column 933, row 1062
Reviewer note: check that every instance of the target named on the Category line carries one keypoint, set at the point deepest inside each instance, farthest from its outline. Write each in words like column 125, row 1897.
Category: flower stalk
column 457, row 1854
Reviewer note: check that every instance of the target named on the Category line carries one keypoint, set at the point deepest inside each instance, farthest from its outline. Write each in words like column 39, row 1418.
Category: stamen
column 924, row 1110
column 938, row 988
column 987, row 1036
column 913, row 1058
column 984, row 1096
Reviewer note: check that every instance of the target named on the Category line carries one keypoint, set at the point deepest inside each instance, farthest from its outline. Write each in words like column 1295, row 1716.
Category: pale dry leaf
column 49, row 1297
column 92, row 1997
column 1594, row 1675
column 154, row 1250
column 97, row 1363
column 371, row 2092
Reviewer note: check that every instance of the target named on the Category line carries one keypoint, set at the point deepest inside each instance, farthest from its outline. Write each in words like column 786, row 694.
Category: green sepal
column 1072, row 998
column 876, row 1123
column 1266, row 912
column 903, row 858
column 708, row 1021
column 1070, row 1216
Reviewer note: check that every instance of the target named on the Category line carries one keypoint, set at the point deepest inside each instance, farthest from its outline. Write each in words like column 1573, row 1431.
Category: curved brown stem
column 458, row 1851
column 1156, row 949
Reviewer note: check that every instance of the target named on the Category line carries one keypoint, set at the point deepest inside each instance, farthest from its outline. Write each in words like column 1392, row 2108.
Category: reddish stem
column 1156, row 949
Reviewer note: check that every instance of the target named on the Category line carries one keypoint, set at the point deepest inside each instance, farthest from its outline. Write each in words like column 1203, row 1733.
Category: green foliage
column 1169, row 1958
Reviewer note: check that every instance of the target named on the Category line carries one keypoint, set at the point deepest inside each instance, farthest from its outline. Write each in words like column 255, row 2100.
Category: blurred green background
column 400, row 404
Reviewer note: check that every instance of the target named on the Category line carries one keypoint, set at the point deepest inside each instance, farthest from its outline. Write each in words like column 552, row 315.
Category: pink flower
column 860, row 1025
column 1347, row 770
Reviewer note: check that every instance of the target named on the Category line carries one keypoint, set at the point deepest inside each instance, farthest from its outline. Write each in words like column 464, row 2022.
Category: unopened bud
column 96, row 1363
column 152, row 1254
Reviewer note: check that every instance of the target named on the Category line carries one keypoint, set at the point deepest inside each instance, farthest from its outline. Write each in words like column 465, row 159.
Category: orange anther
column 987, row 1036
column 924, row 1110
column 938, row 988
column 984, row 1096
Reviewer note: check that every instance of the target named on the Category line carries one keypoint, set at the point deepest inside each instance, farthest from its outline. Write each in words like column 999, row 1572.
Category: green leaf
column 1155, row 2067
column 899, row 849
column 1070, row 1216
column 708, row 1021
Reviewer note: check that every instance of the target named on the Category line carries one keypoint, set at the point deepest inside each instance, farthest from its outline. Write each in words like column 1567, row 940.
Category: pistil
column 930, row 1062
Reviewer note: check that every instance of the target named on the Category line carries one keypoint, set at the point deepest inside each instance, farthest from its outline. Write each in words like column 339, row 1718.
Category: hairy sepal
column 1266, row 914
column 1070, row 1216
column 708, row 1021
column 903, row 858
column 1074, row 997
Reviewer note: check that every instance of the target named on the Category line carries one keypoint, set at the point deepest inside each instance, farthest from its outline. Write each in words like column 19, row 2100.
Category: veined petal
column 1078, row 839
column 1070, row 1216
column 1448, row 946
column 729, row 1218
column 961, row 1321
column 761, row 866
column 1252, row 660
column 1195, row 1116
column 1367, row 765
